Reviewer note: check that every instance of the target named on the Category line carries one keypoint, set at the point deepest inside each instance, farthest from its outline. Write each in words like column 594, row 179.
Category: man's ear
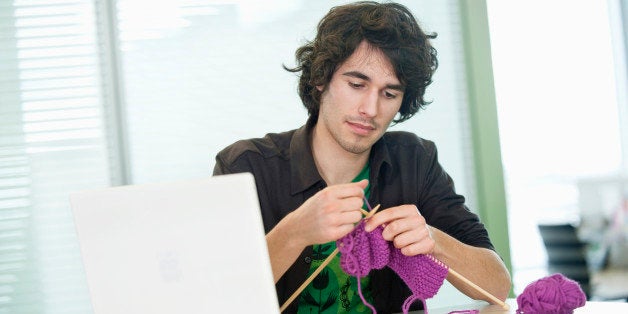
column 320, row 88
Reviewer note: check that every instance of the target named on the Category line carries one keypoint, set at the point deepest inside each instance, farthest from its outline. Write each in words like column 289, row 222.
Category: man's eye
column 390, row 95
column 355, row 85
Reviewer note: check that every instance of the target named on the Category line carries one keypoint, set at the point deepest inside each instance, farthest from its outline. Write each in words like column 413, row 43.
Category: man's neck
column 335, row 164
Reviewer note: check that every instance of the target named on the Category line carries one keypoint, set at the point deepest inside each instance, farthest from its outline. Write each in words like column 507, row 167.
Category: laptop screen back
column 194, row 246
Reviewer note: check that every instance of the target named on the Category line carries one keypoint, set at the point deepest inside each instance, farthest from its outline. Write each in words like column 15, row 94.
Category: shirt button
column 307, row 260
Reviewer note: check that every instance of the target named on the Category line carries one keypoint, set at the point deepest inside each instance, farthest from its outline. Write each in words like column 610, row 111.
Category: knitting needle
column 319, row 269
column 309, row 279
column 478, row 288
column 364, row 212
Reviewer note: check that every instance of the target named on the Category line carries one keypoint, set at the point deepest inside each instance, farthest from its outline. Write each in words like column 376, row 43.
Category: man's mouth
column 361, row 128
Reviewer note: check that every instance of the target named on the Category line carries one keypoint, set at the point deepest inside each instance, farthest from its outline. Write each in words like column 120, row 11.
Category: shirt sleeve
column 220, row 167
column 445, row 209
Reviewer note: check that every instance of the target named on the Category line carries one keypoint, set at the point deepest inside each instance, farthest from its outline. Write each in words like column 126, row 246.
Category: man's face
column 360, row 101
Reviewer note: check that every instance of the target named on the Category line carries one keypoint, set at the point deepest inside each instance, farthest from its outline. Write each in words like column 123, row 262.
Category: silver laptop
column 194, row 246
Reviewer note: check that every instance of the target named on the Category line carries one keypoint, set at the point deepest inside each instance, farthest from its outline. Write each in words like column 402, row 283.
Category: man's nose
column 369, row 104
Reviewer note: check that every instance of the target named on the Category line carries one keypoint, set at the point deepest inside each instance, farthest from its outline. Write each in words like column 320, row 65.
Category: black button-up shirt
column 404, row 170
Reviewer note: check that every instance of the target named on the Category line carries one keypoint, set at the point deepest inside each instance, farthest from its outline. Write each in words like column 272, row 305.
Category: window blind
column 52, row 142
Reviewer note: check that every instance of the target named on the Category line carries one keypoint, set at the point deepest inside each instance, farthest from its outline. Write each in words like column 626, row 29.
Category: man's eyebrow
column 357, row 74
column 363, row 76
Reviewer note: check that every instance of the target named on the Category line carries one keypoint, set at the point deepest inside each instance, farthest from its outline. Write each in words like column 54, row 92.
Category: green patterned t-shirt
column 333, row 291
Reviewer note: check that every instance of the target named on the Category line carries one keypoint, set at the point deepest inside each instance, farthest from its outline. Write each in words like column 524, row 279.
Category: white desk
column 590, row 307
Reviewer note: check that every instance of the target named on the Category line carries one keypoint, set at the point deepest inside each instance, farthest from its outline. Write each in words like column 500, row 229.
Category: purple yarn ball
column 555, row 294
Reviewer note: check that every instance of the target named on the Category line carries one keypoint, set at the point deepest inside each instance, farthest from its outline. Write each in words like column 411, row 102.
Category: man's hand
column 405, row 227
column 330, row 214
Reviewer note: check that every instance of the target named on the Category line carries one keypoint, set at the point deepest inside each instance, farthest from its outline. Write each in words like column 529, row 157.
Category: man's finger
column 386, row 216
column 381, row 217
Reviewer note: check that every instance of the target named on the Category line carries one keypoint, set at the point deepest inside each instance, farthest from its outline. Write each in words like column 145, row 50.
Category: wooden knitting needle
column 319, row 269
column 364, row 212
column 309, row 279
column 372, row 212
column 479, row 289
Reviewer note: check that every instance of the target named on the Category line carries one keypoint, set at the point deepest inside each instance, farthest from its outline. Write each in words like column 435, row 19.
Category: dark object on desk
column 566, row 253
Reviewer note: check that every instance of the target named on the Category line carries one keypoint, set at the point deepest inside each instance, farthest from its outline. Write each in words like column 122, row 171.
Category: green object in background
column 491, row 194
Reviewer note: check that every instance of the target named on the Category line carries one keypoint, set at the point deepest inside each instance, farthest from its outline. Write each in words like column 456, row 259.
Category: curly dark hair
column 390, row 27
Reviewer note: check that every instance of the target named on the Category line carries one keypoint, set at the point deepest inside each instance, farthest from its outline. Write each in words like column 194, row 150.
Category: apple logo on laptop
column 169, row 267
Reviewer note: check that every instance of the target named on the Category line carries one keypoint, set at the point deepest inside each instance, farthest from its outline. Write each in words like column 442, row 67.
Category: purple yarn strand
column 367, row 204
column 362, row 297
column 408, row 302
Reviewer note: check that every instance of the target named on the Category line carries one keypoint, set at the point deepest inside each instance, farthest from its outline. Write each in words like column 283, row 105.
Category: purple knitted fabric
column 361, row 251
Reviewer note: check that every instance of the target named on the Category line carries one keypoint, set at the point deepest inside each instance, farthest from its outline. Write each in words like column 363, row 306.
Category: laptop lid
column 193, row 246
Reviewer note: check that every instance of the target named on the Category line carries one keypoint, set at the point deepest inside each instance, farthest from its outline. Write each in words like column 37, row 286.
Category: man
column 368, row 63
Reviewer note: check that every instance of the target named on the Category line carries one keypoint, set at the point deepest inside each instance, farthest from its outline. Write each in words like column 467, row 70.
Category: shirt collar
column 380, row 159
column 304, row 173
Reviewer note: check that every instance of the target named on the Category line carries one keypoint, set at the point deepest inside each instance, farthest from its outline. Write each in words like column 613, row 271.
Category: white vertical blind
column 52, row 142
column 618, row 15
